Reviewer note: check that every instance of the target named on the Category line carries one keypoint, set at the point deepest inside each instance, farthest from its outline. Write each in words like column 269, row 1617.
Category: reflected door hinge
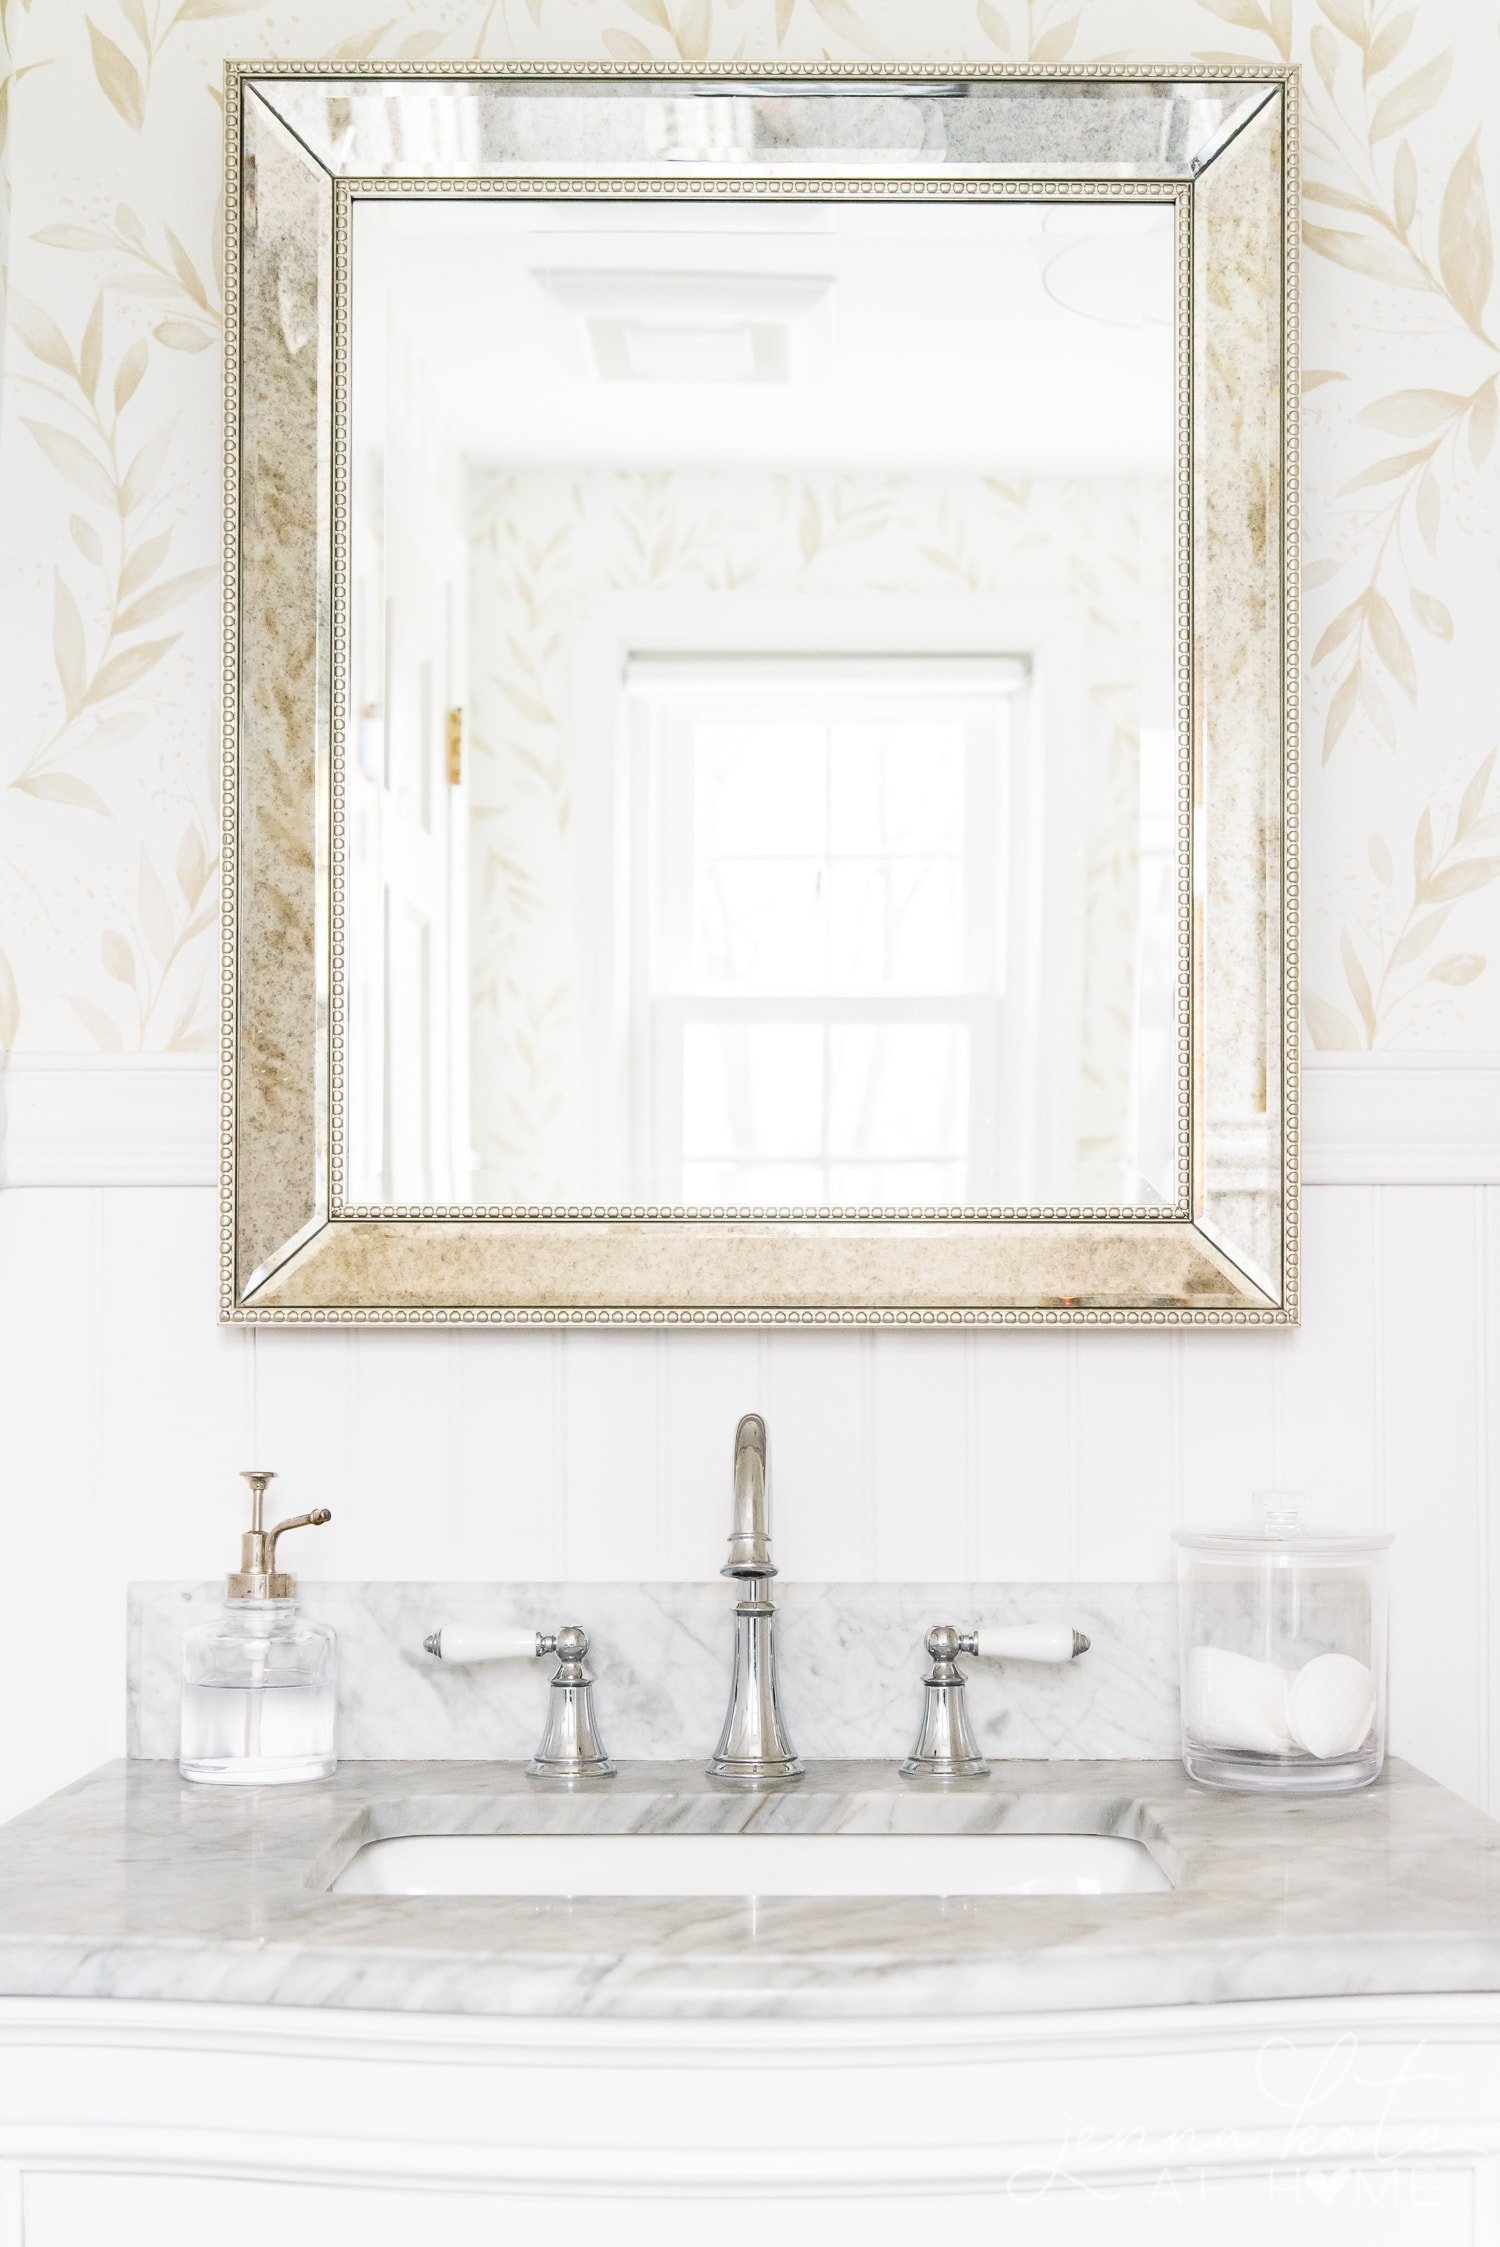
column 455, row 739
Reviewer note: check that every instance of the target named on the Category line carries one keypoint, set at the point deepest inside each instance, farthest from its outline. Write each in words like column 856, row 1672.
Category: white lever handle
column 1030, row 1642
column 483, row 1642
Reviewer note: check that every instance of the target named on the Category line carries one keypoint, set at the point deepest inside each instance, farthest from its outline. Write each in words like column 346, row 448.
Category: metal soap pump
column 258, row 1701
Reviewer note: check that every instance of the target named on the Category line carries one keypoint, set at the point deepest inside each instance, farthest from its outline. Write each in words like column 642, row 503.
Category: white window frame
column 668, row 699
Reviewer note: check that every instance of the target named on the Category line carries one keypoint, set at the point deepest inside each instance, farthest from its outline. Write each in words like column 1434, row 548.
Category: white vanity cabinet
column 1360, row 2120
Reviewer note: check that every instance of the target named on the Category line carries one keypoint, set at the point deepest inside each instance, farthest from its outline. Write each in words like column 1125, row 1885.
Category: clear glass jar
column 258, row 1701
column 1283, row 1644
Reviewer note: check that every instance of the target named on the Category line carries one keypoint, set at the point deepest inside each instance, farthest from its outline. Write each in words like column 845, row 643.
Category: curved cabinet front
column 1365, row 2120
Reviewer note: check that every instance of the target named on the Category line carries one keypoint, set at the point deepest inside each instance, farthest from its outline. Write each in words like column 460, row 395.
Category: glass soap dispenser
column 258, row 1683
column 1283, row 1639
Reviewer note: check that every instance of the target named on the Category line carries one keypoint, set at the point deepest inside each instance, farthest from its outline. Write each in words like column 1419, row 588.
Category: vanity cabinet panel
column 1319, row 2123
column 1342, row 2206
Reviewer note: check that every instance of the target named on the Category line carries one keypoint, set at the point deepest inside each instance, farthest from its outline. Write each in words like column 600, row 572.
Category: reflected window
column 818, row 926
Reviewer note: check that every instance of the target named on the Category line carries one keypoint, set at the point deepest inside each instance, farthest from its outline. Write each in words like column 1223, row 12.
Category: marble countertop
column 133, row 1884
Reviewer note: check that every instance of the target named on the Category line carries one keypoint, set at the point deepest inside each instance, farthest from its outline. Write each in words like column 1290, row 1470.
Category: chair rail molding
column 1406, row 1119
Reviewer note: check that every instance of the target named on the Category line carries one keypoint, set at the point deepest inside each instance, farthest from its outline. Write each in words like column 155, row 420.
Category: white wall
column 1048, row 1457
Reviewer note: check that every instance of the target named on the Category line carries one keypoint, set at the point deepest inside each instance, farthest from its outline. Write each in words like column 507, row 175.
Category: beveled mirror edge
column 1221, row 1292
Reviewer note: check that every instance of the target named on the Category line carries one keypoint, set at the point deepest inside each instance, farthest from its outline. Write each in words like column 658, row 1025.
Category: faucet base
column 596, row 1767
column 945, row 1767
column 756, row 1771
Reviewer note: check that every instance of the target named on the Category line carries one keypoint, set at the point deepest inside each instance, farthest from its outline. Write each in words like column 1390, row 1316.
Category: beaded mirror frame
column 305, row 143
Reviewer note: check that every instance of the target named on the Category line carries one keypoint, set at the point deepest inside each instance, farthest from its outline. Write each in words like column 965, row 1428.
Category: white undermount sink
column 753, row 1864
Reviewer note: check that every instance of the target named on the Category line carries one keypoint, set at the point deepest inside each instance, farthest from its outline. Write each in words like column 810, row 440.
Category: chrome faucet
column 753, row 1749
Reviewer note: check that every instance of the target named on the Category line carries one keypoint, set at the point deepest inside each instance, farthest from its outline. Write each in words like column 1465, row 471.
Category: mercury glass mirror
column 760, row 738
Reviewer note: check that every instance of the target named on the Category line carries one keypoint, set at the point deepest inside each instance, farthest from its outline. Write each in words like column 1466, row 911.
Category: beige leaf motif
column 145, row 468
column 1404, row 187
column 1411, row 99
column 1457, row 881
column 653, row 12
column 87, row 540
column 1412, row 413
column 1429, row 508
column 695, row 31
column 1387, row 471
column 68, row 647
column 1340, row 198
column 41, row 334
column 360, row 46
column 199, row 11
column 129, row 666
column 1432, row 614
column 161, row 598
column 91, row 349
column 117, row 957
column 1325, row 55
column 74, row 460
column 1472, row 803
column 128, row 374
column 95, row 1019
column 1380, row 861
column 1415, row 942
column 1339, row 630
column 181, row 335
column 1055, row 45
column 1348, row 17
column 991, row 23
column 62, row 788
column 72, row 238
column 144, row 563
column 1340, row 711
column 1388, row 42
column 625, row 47
column 1459, row 967
column 1482, row 420
column 1422, row 847
column 187, row 273
column 1329, row 1027
column 119, row 80
column 1380, row 260
column 1466, row 250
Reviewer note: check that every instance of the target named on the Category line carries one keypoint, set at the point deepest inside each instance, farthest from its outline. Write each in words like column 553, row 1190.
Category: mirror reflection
column 760, row 775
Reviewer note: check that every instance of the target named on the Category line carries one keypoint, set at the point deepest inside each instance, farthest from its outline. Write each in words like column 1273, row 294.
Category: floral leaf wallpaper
column 109, row 424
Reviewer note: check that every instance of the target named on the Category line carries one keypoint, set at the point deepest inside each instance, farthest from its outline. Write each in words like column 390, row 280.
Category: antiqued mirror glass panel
column 763, row 770
column 760, row 749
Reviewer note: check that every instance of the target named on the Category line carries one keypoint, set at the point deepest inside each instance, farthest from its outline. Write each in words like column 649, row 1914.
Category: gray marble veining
column 850, row 1654
column 133, row 1884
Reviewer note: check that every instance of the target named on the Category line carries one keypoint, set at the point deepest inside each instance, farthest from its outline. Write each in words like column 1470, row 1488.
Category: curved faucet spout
column 753, row 1749
column 750, row 1536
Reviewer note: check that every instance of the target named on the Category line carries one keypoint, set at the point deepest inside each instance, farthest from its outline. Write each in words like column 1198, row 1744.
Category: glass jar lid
column 1279, row 1528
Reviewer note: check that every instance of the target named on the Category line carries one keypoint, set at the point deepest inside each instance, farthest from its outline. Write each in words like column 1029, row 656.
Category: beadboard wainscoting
column 902, row 1457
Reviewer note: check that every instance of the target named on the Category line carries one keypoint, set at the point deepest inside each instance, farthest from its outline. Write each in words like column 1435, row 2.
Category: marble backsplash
column 851, row 1658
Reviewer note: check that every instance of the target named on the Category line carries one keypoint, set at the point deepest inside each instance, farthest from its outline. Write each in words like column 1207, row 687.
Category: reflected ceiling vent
column 699, row 327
